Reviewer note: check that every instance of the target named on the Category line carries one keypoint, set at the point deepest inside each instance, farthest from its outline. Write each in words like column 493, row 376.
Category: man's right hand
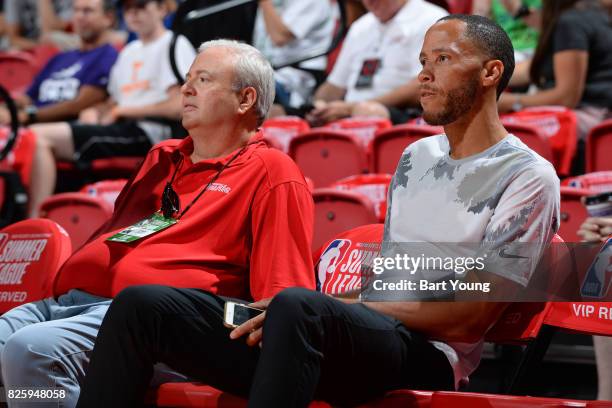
column 596, row 229
column 325, row 112
column 253, row 328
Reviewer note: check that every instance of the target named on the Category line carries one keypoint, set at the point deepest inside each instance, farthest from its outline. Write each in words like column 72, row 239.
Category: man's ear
column 248, row 97
column 492, row 73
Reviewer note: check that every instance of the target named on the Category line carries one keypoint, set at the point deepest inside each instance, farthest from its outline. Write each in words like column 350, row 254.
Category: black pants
column 314, row 347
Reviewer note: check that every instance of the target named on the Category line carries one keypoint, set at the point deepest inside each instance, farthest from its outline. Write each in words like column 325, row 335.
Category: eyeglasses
column 170, row 203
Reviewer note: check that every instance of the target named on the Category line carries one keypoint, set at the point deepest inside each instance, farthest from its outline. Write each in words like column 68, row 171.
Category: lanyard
column 212, row 180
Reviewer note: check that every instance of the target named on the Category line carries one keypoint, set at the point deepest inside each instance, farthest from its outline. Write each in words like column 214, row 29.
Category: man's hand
column 253, row 327
column 110, row 116
column 89, row 116
column 325, row 112
column 596, row 229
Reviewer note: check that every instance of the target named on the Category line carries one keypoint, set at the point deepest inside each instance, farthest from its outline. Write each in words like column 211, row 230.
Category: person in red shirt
column 218, row 213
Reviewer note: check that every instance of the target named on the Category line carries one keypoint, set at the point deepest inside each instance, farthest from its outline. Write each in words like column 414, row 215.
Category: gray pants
column 48, row 343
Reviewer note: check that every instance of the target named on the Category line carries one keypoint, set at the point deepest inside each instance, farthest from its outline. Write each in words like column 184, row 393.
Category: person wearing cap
column 218, row 213
column 143, row 108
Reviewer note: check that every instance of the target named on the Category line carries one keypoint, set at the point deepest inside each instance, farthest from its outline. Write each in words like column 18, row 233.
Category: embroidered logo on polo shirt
column 220, row 187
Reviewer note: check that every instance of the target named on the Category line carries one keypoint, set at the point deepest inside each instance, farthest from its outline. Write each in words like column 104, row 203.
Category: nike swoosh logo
column 503, row 254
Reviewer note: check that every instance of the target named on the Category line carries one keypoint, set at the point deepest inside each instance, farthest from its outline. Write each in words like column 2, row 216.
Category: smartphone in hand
column 236, row 313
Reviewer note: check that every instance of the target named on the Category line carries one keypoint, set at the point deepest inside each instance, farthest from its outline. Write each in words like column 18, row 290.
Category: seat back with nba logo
column 592, row 315
column 338, row 262
column 31, row 253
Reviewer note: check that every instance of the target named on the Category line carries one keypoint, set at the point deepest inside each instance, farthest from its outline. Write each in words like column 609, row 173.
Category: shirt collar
column 185, row 148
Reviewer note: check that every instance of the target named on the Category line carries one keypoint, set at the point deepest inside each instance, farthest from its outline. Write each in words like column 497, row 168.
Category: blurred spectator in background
column 572, row 65
column 593, row 230
column 3, row 39
column 55, row 28
column 168, row 19
column 27, row 21
column 519, row 18
column 143, row 109
column 73, row 80
column 289, row 30
column 378, row 61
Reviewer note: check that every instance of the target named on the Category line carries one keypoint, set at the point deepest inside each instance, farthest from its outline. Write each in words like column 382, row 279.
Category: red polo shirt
column 248, row 236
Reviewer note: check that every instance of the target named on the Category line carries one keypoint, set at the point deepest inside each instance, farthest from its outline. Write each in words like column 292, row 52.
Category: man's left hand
column 253, row 327
column 332, row 111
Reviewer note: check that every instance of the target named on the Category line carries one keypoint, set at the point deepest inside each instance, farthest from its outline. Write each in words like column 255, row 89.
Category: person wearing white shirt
column 290, row 30
column 378, row 61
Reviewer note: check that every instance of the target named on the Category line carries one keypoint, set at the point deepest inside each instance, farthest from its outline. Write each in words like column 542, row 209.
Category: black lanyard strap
column 212, row 180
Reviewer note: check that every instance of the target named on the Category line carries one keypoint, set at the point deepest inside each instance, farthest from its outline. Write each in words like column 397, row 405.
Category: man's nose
column 186, row 88
column 425, row 75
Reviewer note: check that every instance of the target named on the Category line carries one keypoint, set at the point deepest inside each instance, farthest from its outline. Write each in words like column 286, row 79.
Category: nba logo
column 330, row 259
column 598, row 278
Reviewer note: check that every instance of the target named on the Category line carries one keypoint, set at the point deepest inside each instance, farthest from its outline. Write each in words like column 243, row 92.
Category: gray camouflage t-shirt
column 505, row 194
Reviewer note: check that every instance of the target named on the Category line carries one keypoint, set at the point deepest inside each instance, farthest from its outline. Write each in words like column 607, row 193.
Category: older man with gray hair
column 202, row 216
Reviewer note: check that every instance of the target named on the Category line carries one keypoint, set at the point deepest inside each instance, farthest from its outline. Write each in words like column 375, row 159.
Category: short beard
column 459, row 101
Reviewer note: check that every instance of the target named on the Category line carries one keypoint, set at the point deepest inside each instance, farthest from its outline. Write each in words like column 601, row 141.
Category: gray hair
column 251, row 69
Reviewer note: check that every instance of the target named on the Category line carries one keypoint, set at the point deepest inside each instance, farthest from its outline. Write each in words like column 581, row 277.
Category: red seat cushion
column 31, row 253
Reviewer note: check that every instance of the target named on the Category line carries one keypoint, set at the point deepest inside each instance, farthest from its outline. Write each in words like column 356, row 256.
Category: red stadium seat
column 17, row 70
column 599, row 404
column 42, row 53
column 532, row 137
column 79, row 213
column 108, row 190
column 337, row 211
column 519, row 324
column 558, row 124
column 573, row 212
column 338, row 262
column 21, row 157
column 402, row 399
column 599, row 147
column 591, row 318
column 196, row 395
column 388, row 145
column 28, row 275
column 328, row 155
column 373, row 186
column 282, row 129
column 364, row 128
column 600, row 181
column 442, row 399
column 112, row 167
